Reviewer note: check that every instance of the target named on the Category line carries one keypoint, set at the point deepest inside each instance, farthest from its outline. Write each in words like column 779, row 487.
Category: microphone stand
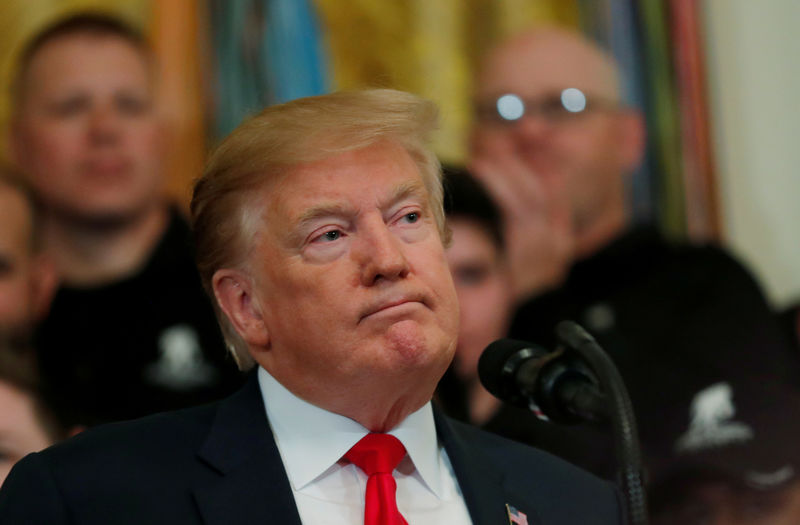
column 626, row 438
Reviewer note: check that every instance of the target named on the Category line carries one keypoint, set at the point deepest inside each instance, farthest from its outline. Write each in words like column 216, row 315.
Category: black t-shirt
column 670, row 316
column 674, row 318
column 144, row 344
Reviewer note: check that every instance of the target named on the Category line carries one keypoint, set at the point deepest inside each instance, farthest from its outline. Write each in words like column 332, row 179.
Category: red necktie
column 378, row 455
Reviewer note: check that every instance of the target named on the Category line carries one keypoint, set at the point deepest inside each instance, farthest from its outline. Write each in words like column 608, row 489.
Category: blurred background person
column 789, row 317
column 554, row 146
column 130, row 331
column 730, row 457
column 483, row 283
column 27, row 276
column 477, row 260
column 27, row 424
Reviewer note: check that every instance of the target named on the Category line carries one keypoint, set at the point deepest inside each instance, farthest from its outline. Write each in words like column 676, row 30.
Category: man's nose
column 380, row 255
column 532, row 126
column 104, row 125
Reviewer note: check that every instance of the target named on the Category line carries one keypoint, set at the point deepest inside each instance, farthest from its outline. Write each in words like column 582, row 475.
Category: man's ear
column 235, row 295
column 632, row 139
column 16, row 142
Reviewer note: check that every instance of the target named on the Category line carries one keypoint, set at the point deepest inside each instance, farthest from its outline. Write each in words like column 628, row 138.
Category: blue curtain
column 266, row 52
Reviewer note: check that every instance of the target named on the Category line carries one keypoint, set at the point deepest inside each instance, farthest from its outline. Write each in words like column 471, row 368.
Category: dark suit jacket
column 219, row 465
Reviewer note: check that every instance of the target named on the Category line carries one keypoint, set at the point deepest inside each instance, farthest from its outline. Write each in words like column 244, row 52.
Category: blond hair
column 225, row 205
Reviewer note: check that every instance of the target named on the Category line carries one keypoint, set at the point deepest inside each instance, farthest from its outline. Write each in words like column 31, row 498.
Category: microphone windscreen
column 492, row 363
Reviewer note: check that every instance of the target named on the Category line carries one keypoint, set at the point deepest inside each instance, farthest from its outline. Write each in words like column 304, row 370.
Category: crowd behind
column 103, row 316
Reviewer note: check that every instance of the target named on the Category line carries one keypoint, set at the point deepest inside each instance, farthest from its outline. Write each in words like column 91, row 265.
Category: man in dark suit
column 320, row 233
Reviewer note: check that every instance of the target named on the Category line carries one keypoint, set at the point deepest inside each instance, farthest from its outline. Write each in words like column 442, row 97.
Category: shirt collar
column 312, row 440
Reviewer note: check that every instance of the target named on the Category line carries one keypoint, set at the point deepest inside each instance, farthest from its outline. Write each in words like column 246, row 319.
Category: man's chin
column 102, row 216
column 419, row 351
column 408, row 339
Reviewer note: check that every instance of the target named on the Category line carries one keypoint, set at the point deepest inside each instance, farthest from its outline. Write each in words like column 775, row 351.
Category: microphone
column 563, row 385
column 555, row 385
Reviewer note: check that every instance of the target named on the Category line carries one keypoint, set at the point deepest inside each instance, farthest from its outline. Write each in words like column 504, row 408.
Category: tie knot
column 377, row 453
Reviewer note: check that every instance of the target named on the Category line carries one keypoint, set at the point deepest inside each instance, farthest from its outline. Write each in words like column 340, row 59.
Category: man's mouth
column 396, row 304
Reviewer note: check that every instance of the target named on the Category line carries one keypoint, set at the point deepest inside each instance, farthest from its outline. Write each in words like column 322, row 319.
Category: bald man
column 560, row 174
column 555, row 145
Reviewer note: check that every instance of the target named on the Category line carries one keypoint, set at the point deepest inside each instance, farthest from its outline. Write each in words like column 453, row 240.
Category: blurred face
column 17, row 261
column 484, row 292
column 86, row 132
column 720, row 503
column 20, row 432
column 586, row 152
column 352, row 283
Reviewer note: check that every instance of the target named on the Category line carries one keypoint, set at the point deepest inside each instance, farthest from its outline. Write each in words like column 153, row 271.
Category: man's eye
column 331, row 235
column 472, row 275
column 69, row 107
column 6, row 266
column 131, row 105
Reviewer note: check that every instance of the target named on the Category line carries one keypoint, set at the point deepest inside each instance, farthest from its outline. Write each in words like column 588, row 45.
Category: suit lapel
column 251, row 486
column 482, row 483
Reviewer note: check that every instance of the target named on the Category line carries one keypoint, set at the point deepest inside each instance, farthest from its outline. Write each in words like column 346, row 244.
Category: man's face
column 484, row 290
column 86, row 132
column 17, row 262
column 20, row 431
column 352, row 281
column 586, row 153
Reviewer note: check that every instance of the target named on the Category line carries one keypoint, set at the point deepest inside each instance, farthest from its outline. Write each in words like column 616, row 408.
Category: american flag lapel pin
column 515, row 516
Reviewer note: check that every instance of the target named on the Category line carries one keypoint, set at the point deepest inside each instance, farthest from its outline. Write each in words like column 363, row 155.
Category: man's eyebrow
column 330, row 209
column 406, row 190
column 298, row 228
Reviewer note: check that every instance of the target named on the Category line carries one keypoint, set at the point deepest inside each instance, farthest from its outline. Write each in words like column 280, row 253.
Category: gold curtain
column 429, row 47
column 180, row 44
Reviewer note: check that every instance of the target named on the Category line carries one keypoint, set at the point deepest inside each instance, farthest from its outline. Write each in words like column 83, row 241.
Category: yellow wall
column 754, row 82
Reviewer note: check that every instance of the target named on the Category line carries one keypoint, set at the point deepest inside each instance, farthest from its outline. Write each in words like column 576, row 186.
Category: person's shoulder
column 709, row 252
column 678, row 264
column 144, row 467
column 168, row 436
column 709, row 264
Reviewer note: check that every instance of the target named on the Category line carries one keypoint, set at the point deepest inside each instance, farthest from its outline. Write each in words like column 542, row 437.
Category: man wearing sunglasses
column 554, row 144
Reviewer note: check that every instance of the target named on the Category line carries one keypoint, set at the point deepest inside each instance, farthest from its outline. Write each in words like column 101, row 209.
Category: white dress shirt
column 329, row 490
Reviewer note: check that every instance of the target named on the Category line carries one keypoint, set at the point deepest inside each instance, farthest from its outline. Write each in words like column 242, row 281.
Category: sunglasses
column 554, row 108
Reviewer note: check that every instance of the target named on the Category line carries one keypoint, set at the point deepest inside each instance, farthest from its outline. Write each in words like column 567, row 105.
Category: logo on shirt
column 711, row 424
column 181, row 364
